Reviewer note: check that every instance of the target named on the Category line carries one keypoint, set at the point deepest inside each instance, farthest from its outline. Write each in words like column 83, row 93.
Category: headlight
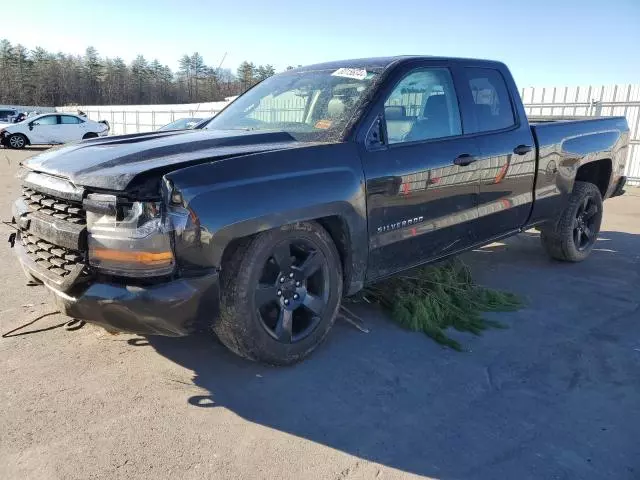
column 128, row 238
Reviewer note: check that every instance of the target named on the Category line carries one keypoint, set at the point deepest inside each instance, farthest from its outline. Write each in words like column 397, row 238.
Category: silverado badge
column 402, row 224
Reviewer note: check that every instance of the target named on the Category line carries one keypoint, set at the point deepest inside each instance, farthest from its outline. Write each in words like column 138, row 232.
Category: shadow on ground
column 557, row 395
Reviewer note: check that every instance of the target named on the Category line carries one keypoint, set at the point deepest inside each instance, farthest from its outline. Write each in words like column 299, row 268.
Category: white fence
column 607, row 100
column 145, row 118
column 590, row 100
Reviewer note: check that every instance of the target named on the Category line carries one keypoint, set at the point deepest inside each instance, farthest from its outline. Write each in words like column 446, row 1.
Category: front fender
column 241, row 196
column 8, row 132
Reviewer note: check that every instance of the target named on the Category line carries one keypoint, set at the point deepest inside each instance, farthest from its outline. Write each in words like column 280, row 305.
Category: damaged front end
column 109, row 258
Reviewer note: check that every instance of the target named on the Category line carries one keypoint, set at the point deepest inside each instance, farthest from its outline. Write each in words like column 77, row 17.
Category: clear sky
column 544, row 42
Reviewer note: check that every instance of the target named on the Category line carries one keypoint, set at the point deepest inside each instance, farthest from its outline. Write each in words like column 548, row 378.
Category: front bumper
column 172, row 308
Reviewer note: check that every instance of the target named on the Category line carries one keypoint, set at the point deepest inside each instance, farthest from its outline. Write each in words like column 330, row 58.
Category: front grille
column 52, row 234
column 57, row 260
column 56, row 207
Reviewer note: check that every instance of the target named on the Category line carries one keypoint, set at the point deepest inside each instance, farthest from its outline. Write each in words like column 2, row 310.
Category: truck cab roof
column 382, row 63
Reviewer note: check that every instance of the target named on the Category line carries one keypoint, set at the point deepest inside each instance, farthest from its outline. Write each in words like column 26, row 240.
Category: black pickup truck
column 311, row 185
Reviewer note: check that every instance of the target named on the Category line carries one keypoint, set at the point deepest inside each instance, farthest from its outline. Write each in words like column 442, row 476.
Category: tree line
column 43, row 78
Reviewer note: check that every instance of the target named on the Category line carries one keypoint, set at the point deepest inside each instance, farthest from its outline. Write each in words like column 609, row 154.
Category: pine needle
column 433, row 298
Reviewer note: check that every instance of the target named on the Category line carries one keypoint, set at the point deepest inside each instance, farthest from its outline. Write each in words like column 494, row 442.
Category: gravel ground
column 557, row 395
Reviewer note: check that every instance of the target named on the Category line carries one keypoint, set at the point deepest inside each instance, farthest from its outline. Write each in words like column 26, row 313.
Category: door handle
column 464, row 160
column 522, row 149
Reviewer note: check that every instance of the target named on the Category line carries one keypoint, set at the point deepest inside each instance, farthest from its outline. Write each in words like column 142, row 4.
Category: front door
column 421, row 180
column 43, row 130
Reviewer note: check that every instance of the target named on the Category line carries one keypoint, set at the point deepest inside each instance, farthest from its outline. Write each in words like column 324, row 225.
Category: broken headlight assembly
column 129, row 238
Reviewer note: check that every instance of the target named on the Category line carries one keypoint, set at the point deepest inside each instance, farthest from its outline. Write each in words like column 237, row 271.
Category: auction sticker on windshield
column 355, row 73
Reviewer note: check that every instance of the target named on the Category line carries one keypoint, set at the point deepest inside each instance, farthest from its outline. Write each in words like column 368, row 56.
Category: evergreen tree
column 42, row 78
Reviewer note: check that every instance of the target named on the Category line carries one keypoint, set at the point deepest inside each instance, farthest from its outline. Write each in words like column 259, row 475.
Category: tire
column 576, row 231
column 17, row 141
column 90, row 135
column 296, row 264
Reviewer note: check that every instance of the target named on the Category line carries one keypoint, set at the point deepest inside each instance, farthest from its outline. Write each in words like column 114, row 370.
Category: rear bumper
column 619, row 188
column 172, row 308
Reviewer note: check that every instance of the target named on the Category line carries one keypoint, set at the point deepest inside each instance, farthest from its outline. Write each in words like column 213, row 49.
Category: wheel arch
column 597, row 172
column 338, row 225
column 593, row 157
column 26, row 137
column 337, row 228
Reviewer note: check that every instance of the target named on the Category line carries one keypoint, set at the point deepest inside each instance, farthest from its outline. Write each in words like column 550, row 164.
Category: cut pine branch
column 434, row 298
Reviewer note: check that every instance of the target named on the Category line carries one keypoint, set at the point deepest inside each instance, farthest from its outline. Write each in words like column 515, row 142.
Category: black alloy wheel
column 293, row 291
column 584, row 225
column 280, row 293
column 572, row 236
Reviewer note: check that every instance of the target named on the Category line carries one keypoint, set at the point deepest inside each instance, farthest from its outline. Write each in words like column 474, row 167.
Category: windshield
column 310, row 106
column 183, row 123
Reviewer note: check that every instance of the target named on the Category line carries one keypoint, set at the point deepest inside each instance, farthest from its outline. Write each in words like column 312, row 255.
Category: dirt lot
column 557, row 395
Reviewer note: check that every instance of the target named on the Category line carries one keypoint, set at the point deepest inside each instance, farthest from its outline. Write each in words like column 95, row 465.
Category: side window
column 67, row 119
column 490, row 99
column 48, row 120
column 423, row 105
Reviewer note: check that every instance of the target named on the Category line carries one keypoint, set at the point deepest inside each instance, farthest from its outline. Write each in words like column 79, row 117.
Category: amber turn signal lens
column 145, row 258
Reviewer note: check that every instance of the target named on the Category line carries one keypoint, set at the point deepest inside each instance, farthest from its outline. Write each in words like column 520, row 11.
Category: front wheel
column 576, row 232
column 281, row 292
column 17, row 141
column 90, row 135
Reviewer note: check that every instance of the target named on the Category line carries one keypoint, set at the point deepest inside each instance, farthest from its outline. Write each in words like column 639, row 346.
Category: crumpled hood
column 113, row 162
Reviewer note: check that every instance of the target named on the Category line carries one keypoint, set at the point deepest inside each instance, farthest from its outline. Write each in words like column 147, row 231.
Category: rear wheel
column 576, row 232
column 281, row 292
column 17, row 141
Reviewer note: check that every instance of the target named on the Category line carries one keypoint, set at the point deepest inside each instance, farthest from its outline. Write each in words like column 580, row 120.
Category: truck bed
column 564, row 143
column 579, row 135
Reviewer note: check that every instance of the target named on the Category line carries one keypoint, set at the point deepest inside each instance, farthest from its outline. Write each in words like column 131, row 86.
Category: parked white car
column 51, row 129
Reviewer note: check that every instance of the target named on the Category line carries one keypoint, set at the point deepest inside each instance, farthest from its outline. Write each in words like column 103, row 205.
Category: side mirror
column 31, row 125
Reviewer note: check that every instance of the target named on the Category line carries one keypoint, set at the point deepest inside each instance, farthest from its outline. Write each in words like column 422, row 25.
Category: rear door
column 420, row 178
column 507, row 159
column 43, row 130
column 71, row 128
